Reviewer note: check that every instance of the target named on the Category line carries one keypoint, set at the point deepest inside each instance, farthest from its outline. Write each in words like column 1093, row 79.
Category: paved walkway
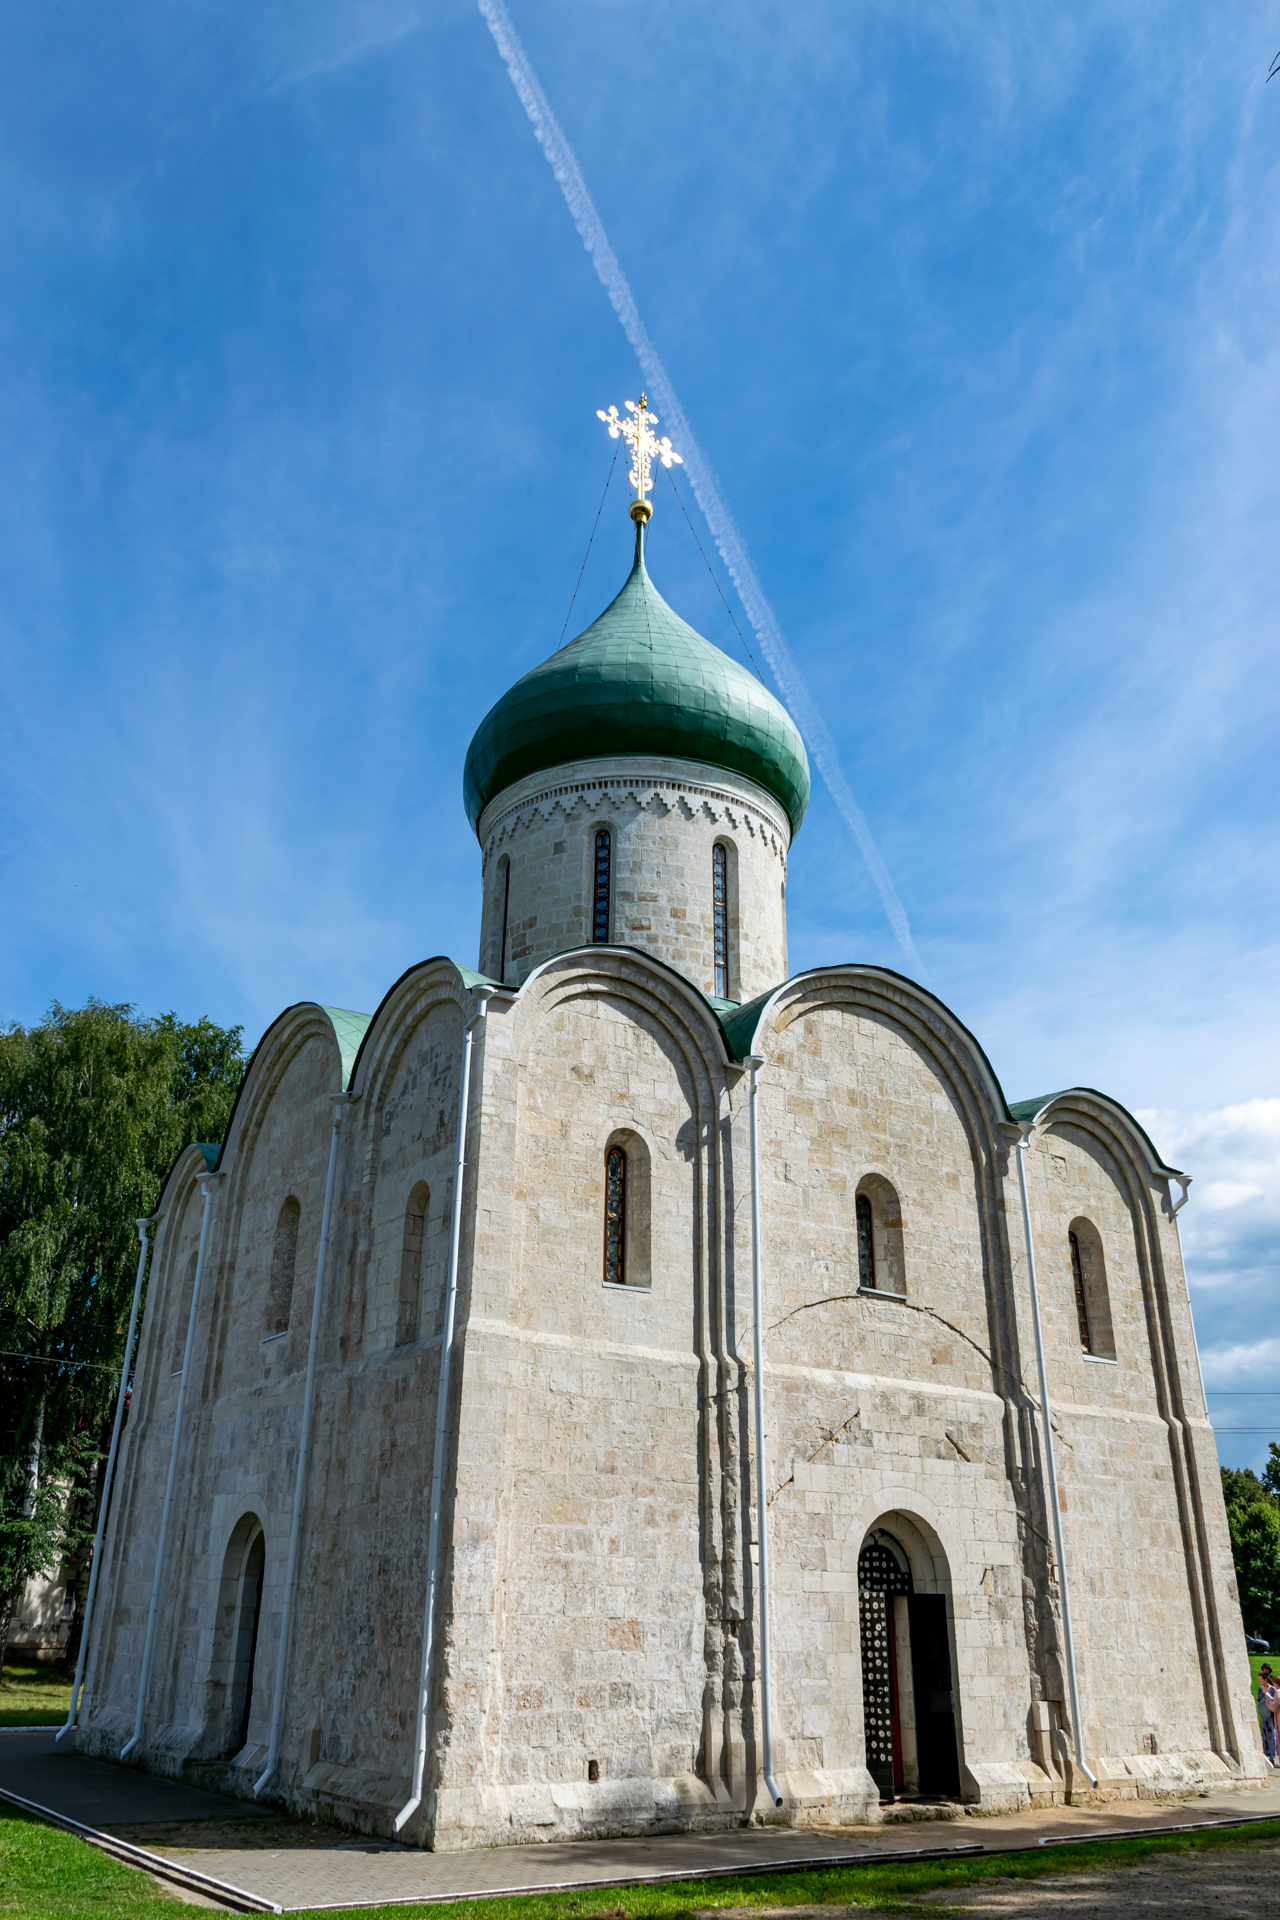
column 294, row 1866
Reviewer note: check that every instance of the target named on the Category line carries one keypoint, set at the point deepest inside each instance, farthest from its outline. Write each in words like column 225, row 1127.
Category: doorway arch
column 236, row 1639
column 908, row 1697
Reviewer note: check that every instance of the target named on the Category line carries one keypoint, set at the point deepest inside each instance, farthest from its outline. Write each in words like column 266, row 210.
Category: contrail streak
column 733, row 552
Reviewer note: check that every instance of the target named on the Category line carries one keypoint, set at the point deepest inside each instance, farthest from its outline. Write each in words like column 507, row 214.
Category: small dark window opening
column 506, row 902
column 720, row 897
column 593, row 1769
column 600, row 913
column 1082, row 1304
column 615, row 1218
column 866, row 1243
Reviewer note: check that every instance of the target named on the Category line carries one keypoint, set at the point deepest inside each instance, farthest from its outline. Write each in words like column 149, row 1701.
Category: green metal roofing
column 639, row 681
column 349, row 1029
column 210, row 1149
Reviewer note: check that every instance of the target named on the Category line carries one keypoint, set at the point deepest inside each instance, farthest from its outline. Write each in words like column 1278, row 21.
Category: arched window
column 720, row 918
column 877, row 1213
column 415, row 1228
column 866, row 1242
column 1089, row 1289
column 284, row 1255
column 1082, row 1304
column 504, row 888
column 615, row 1218
column 600, row 896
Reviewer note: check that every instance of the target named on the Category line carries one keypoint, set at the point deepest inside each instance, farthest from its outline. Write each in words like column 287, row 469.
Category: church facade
column 454, row 1501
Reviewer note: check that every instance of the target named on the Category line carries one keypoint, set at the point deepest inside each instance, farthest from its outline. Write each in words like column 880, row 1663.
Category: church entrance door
column 883, row 1575
column 245, row 1646
column 934, row 1702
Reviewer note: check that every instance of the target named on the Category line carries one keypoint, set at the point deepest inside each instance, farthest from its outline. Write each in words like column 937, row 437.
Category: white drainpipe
column 107, row 1478
column 755, row 1062
column 1175, row 1208
column 1051, row 1464
column 207, row 1183
column 340, row 1101
column 442, row 1409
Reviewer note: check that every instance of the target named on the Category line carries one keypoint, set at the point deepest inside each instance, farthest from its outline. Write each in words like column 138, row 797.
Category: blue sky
column 972, row 309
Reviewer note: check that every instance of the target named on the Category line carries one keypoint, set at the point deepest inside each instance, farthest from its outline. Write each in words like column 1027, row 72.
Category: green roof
column 349, row 1030
column 639, row 681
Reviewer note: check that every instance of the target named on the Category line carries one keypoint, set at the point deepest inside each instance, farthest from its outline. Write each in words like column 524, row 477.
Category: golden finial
column 645, row 449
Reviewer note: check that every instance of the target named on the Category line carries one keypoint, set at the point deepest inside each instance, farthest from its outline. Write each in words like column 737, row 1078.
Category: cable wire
column 587, row 555
column 711, row 570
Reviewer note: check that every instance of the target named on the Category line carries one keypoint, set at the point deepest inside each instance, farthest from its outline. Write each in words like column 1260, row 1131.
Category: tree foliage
column 96, row 1103
column 1253, row 1517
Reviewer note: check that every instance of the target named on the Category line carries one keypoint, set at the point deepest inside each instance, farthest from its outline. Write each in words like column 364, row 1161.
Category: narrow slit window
column 866, row 1243
column 600, row 913
column 720, row 899
column 506, row 902
column 1082, row 1304
column 615, row 1218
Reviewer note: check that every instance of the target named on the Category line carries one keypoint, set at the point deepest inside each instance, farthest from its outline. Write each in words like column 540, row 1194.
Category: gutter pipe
column 1175, row 1208
column 207, row 1183
column 442, row 1410
column 108, row 1477
column 755, row 1062
column 340, row 1101
column 1052, row 1467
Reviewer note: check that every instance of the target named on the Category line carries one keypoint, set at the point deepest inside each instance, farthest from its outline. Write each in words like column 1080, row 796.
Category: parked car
column 1255, row 1645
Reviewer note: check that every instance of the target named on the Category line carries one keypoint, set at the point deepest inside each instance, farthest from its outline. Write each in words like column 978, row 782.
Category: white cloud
column 1231, row 1242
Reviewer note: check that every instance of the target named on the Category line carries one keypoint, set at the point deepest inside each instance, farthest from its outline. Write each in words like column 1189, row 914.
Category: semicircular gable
column 290, row 1030
column 626, row 975
column 956, row 1056
column 420, row 991
column 1101, row 1113
column 389, row 1008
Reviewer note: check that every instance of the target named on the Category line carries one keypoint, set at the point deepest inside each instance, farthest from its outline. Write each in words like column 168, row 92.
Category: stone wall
column 665, row 817
column 599, row 1597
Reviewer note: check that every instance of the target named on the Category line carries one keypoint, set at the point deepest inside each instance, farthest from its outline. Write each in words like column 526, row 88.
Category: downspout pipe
column 1175, row 1208
column 208, row 1182
column 1052, row 1466
column 109, row 1476
column 754, row 1063
column 340, row 1102
column 414, row 1801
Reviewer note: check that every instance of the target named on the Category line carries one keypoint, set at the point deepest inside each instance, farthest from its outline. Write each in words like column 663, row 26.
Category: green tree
column 1271, row 1472
column 96, row 1103
column 1253, row 1518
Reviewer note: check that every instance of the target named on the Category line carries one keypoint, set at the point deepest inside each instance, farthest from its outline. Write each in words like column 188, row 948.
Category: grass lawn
column 46, row 1872
column 35, row 1695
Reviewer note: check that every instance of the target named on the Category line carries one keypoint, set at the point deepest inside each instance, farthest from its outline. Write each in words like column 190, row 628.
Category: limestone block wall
column 1152, row 1592
column 665, row 817
column 885, row 1403
column 575, row 1675
column 596, row 1665
column 242, row 1406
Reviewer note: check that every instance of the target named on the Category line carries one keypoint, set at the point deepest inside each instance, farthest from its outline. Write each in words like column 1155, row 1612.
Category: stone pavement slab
column 367, row 1872
column 294, row 1865
column 96, row 1791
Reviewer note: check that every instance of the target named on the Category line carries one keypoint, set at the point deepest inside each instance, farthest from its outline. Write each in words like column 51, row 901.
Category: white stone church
column 552, row 1602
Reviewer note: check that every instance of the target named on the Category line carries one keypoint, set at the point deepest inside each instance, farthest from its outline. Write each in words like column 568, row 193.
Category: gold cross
column 645, row 448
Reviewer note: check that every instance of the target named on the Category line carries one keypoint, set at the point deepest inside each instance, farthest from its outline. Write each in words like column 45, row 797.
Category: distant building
column 595, row 1663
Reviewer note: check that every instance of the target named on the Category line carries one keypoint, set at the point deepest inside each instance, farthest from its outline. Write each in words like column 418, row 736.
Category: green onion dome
column 639, row 681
